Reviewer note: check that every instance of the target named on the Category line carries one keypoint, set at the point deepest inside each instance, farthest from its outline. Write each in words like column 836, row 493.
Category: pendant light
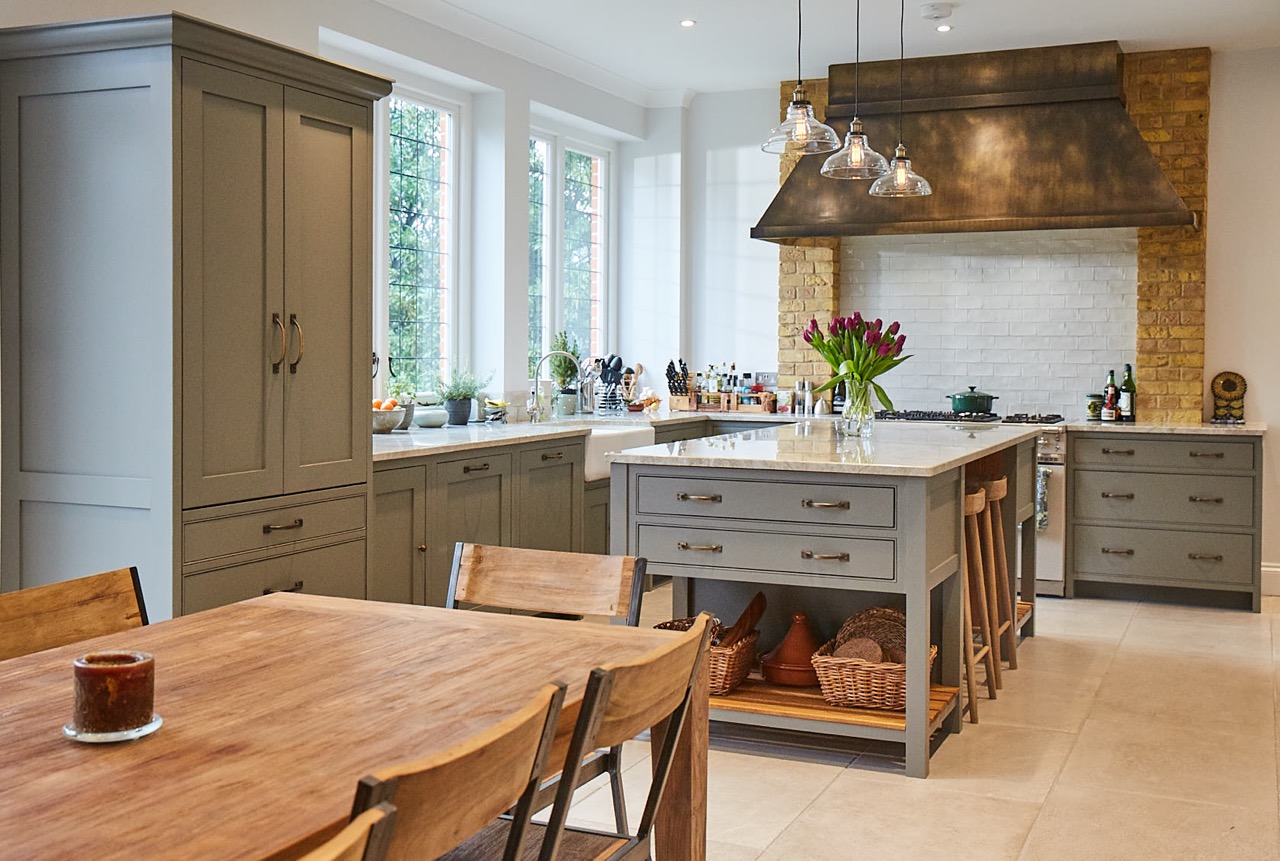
column 856, row 160
column 901, row 180
column 801, row 132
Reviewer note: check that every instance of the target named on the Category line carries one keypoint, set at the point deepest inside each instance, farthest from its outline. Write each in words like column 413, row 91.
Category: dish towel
column 1042, row 498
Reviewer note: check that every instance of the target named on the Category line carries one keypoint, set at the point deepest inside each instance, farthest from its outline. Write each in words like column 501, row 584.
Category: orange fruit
column 390, row 404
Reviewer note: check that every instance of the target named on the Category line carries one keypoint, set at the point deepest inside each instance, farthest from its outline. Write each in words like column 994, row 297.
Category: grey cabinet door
column 474, row 505
column 336, row 570
column 549, row 510
column 232, row 159
column 595, row 517
column 398, row 536
column 327, row 290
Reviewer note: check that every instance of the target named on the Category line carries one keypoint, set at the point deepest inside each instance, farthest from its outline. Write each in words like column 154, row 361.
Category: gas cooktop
column 1033, row 419
column 935, row 416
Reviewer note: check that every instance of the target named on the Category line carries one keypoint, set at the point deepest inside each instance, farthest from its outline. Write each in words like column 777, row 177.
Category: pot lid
column 973, row 393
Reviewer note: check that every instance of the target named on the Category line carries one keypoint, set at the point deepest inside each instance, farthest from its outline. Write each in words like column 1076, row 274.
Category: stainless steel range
column 1051, row 515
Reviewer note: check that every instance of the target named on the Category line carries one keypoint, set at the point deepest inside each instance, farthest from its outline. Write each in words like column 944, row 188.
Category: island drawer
column 1141, row 497
column 1195, row 454
column 1162, row 554
column 859, row 558
column 225, row 530
column 834, row 504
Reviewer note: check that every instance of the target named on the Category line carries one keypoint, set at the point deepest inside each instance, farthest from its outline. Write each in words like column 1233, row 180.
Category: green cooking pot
column 972, row 401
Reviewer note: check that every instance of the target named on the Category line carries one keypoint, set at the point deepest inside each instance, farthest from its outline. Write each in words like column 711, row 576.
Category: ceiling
column 638, row 49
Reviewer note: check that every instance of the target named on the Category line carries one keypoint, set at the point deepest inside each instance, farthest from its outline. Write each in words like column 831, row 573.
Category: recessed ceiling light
column 688, row 22
column 944, row 28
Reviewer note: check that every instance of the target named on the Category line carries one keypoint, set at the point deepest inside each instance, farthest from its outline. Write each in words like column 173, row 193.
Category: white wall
column 733, row 312
column 1242, row 315
column 1034, row 317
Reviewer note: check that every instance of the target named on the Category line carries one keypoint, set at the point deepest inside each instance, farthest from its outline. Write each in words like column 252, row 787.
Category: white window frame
column 559, row 141
column 457, row 321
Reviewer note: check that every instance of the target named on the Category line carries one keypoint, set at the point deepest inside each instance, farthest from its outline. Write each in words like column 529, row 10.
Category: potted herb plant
column 400, row 389
column 564, row 373
column 458, row 393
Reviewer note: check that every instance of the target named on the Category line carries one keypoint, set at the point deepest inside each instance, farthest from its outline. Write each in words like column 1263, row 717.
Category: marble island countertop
column 894, row 448
column 1205, row 428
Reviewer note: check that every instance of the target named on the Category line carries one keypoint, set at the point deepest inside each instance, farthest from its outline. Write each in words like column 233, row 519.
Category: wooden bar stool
column 1006, row 624
column 987, row 572
column 975, row 602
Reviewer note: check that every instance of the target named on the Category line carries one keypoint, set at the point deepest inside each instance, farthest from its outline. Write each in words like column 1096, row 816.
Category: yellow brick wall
column 1167, row 93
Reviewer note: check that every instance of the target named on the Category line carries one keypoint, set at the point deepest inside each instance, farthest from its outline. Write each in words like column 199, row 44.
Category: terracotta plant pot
column 790, row 661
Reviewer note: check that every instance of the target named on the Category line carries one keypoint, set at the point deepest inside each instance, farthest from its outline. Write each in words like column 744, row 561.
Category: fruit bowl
column 385, row 421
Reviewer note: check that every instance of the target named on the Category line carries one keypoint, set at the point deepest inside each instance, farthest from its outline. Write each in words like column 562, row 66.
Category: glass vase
column 859, row 414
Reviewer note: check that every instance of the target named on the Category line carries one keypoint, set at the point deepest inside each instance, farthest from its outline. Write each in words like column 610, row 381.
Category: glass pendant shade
column 800, row 132
column 901, row 180
column 856, row 160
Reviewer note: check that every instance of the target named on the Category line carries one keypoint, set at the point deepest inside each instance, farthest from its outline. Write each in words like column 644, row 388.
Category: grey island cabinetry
column 1157, row 507
column 827, row 525
column 185, row 254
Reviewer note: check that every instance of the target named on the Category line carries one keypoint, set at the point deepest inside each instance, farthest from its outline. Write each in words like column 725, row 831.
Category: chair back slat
column 545, row 581
column 444, row 799
column 44, row 617
column 365, row 838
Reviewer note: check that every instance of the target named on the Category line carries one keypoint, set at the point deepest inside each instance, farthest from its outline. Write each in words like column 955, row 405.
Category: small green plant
column 462, row 385
column 564, row 373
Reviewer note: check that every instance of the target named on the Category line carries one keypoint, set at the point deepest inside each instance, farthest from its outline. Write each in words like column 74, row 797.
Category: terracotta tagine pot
column 789, row 663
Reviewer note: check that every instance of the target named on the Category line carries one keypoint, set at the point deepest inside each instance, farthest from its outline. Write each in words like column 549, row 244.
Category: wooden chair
column 44, row 617
column 445, row 799
column 559, row 584
column 976, row 612
column 621, row 701
column 364, row 839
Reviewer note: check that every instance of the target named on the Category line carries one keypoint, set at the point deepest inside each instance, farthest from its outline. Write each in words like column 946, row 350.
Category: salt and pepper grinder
column 808, row 398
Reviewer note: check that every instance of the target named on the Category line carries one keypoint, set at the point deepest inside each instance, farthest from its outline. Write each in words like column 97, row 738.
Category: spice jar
column 1093, row 406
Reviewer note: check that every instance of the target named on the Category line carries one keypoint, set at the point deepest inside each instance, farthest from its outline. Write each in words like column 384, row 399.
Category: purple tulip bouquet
column 858, row 351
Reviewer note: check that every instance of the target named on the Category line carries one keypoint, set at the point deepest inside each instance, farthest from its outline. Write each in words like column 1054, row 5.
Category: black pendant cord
column 857, row 55
column 902, row 53
column 799, row 39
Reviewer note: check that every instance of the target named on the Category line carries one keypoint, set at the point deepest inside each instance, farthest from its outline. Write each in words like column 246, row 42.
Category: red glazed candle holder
column 115, row 691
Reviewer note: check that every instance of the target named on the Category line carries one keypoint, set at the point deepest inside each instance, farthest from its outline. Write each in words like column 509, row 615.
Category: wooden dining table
column 274, row 708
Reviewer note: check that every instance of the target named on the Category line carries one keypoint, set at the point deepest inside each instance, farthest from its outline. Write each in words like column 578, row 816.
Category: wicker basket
column 727, row 666
column 862, row 684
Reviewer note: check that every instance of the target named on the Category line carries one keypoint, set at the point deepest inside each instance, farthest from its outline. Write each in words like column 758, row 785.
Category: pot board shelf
column 757, row 697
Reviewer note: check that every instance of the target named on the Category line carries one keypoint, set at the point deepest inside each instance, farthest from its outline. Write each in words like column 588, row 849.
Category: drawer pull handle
column 696, row 497
column 268, row 528
column 1106, row 494
column 559, row 455
column 296, row 587
column 1205, row 557
column 1115, row 551
column 302, row 345
column 809, row 503
column 839, row 557
column 1217, row 454
column 1216, row 500
column 277, row 362
column 705, row 548
column 1127, row 451
column 484, row 467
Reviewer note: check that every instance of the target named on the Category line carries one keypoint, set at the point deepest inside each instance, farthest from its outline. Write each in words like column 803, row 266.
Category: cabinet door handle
column 1106, row 494
column 483, row 467
column 268, row 528
column 809, row 503
column 296, row 587
column 695, row 497
column 1115, row 551
column 293, row 322
column 839, row 557
column 422, row 548
column 1216, row 500
column 704, row 548
column 279, row 324
column 559, row 455
column 1205, row 557
column 1127, row 451
column 1217, row 454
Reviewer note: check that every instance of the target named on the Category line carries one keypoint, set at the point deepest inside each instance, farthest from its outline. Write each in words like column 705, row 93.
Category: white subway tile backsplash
column 1035, row 317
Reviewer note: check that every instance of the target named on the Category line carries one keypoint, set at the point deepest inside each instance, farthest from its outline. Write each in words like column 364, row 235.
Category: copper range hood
column 1010, row 140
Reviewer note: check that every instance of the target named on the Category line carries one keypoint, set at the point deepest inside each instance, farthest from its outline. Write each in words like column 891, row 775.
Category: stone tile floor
column 1129, row 731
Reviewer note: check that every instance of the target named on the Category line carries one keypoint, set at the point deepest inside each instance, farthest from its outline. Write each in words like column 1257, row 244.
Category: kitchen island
column 827, row 524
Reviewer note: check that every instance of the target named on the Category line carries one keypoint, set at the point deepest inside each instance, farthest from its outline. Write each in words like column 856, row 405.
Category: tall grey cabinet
column 185, row 283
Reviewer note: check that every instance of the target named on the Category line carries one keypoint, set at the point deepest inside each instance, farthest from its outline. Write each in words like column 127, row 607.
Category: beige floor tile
column 1236, row 642
column 1271, row 605
column 1179, row 761
column 1077, row 623
column 655, row 607
column 989, row 759
column 910, row 820
column 1180, row 614
column 1102, row 825
column 718, row 851
column 1041, row 699
column 1214, row 693
column 1085, row 659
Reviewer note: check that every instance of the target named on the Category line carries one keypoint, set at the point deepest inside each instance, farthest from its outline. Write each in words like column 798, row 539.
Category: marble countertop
column 1206, row 428
column 894, row 448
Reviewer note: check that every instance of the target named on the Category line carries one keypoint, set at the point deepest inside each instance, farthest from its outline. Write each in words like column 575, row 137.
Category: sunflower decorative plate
column 1228, row 390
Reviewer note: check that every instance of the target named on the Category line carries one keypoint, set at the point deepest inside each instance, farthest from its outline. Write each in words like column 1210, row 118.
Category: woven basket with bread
column 864, row 666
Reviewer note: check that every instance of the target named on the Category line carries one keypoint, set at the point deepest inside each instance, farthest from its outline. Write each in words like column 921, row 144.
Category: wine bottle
column 1110, row 398
column 1128, row 396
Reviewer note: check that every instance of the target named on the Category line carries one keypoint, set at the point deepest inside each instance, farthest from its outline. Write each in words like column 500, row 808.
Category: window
column 567, row 231
column 420, row 239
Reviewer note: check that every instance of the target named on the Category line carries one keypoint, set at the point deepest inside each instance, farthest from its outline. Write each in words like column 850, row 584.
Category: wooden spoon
column 746, row 622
